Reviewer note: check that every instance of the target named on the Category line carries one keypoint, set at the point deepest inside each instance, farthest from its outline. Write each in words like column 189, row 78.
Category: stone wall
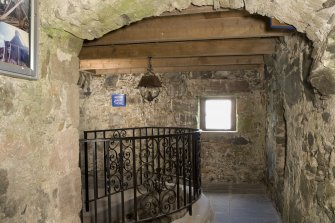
column 300, row 137
column 39, row 174
column 227, row 157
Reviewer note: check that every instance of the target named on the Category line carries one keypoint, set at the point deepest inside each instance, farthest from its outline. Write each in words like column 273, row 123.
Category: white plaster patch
column 62, row 56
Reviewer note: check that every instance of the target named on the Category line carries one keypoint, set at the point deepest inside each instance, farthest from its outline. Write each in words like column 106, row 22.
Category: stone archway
column 91, row 19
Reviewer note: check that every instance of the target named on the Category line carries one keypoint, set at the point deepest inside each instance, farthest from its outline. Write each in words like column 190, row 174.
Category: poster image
column 14, row 45
column 17, row 37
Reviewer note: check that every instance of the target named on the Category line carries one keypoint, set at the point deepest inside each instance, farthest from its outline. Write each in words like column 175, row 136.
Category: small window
column 218, row 114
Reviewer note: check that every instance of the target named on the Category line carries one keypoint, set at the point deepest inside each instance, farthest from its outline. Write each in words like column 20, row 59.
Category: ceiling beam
column 228, row 47
column 98, row 64
column 182, row 69
column 219, row 25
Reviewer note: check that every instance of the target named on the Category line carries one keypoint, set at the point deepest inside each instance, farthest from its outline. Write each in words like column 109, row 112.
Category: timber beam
column 182, row 69
column 216, row 25
column 229, row 47
column 103, row 64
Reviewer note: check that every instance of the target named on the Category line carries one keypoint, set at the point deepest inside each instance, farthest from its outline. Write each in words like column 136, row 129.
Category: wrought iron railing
column 139, row 174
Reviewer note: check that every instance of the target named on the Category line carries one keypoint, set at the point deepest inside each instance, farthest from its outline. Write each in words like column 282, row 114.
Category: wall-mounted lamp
column 149, row 84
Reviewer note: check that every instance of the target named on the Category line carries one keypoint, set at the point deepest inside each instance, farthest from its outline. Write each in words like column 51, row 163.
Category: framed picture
column 18, row 38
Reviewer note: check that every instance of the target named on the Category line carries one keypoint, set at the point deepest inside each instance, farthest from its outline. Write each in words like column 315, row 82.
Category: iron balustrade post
column 158, row 152
column 183, row 167
column 87, row 198
column 153, row 150
column 159, row 170
column 170, row 152
column 164, row 150
column 199, row 164
column 140, row 158
column 135, row 180
column 121, row 180
column 177, row 171
column 147, row 151
column 107, row 182
column 105, row 171
column 95, row 177
column 190, row 174
column 194, row 164
column 80, row 165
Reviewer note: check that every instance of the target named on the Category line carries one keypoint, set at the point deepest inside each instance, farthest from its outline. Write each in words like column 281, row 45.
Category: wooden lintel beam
column 182, row 69
column 99, row 64
column 228, row 47
column 219, row 25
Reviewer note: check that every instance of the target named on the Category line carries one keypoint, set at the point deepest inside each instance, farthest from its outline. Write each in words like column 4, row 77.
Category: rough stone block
column 310, row 139
column 4, row 181
column 69, row 194
column 323, row 80
column 177, row 89
column 240, row 141
column 111, row 81
column 201, row 75
column 326, row 117
column 7, row 93
column 64, row 66
column 73, row 105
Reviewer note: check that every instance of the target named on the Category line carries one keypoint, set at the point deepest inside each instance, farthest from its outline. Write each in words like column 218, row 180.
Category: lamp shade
column 150, row 81
column 149, row 84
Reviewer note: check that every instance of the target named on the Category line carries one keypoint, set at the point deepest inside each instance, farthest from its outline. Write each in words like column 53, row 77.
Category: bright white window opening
column 218, row 114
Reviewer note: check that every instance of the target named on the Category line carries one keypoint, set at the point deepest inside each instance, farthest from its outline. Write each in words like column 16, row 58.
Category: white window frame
column 233, row 114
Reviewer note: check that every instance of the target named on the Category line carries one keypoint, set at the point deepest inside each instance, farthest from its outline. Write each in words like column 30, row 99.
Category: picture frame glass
column 18, row 38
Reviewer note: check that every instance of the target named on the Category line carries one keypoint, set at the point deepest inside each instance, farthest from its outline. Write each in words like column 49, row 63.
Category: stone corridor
column 283, row 82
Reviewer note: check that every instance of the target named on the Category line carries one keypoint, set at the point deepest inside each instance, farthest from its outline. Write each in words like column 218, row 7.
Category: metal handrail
column 130, row 138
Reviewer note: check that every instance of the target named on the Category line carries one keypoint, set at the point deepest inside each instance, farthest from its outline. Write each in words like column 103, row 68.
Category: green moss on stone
column 65, row 41
column 56, row 33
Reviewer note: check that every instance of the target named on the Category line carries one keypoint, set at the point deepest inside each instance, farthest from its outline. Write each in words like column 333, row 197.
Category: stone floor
column 241, row 204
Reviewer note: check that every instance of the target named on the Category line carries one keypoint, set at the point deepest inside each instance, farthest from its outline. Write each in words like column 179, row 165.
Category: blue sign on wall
column 118, row 100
